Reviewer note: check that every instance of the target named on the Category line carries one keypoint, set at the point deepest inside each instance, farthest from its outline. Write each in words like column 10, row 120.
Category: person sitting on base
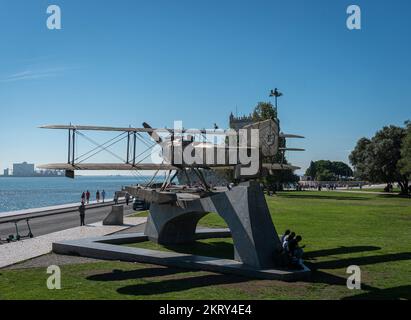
column 287, row 241
column 296, row 252
column 285, row 236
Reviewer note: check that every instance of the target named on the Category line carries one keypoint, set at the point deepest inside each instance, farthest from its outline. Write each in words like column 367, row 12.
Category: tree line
column 386, row 157
column 326, row 170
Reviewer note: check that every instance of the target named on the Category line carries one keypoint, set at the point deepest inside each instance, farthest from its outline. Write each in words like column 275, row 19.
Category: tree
column 377, row 159
column 326, row 170
column 264, row 111
column 312, row 170
column 405, row 162
column 358, row 159
column 341, row 169
column 326, row 175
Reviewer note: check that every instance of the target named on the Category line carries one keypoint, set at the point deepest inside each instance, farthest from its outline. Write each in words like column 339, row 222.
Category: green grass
column 394, row 190
column 139, row 214
column 339, row 229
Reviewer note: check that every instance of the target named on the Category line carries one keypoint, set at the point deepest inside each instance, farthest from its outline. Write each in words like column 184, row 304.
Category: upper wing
column 129, row 129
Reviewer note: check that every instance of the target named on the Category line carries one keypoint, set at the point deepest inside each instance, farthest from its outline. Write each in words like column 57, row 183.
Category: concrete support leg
column 243, row 208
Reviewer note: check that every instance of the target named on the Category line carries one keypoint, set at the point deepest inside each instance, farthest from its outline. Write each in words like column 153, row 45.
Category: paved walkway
column 58, row 221
column 15, row 252
column 28, row 213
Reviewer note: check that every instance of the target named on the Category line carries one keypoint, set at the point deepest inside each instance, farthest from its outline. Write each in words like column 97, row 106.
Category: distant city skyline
column 198, row 61
column 25, row 169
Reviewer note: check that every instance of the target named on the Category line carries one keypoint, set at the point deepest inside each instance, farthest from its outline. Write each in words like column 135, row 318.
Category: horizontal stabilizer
column 269, row 166
column 291, row 149
column 279, row 166
column 289, row 135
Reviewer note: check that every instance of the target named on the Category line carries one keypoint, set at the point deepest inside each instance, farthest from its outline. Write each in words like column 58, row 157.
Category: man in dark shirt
column 293, row 245
column 88, row 197
column 82, row 210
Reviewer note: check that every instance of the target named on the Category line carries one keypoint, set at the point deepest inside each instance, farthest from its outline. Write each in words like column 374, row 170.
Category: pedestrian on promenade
column 127, row 198
column 98, row 196
column 83, row 197
column 82, row 210
column 116, row 198
column 88, row 197
column 103, row 195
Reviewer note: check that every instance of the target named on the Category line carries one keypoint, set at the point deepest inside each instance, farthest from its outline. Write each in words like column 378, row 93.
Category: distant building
column 6, row 172
column 239, row 122
column 23, row 169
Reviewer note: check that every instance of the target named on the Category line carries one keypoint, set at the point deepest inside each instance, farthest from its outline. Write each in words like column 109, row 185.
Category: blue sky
column 124, row 62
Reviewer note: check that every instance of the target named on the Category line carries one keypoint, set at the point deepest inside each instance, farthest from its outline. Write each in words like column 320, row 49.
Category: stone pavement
column 15, row 252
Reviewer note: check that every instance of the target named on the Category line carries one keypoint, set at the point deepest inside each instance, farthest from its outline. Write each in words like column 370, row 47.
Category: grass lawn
column 139, row 214
column 338, row 229
column 394, row 190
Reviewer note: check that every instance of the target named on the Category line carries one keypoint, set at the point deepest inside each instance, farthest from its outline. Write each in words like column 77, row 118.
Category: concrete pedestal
column 115, row 217
column 243, row 208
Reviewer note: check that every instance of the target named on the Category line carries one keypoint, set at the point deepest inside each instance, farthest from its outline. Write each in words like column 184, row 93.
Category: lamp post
column 275, row 93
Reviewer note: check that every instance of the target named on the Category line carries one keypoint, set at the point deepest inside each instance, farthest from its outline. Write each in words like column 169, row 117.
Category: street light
column 275, row 93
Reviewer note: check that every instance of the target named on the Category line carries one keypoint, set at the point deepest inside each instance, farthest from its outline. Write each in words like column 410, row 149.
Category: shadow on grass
column 218, row 249
column 340, row 250
column 183, row 283
column 396, row 293
column 319, row 276
column 359, row 261
column 321, row 197
column 394, row 195
column 120, row 275
column 176, row 285
column 333, row 280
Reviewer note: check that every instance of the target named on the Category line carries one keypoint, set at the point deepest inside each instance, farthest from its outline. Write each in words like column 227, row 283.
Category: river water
column 36, row 192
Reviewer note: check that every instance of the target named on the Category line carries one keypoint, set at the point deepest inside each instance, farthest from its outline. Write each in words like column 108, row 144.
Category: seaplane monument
column 240, row 158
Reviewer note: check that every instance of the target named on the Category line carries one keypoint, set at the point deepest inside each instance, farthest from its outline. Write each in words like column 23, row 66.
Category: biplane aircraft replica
column 176, row 208
column 174, row 144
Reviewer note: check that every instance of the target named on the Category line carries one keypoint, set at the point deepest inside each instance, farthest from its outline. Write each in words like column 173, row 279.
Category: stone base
column 115, row 217
column 108, row 248
column 244, row 210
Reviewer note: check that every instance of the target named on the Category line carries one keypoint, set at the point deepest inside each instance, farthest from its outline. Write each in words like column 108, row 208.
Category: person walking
column 82, row 210
column 83, row 197
column 98, row 196
column 103, row 195
column 127, row 198
column 88, row 197
column 116, row 198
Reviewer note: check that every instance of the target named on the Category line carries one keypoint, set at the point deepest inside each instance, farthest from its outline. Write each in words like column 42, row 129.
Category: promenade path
column 57, row 218
column 15, row 252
